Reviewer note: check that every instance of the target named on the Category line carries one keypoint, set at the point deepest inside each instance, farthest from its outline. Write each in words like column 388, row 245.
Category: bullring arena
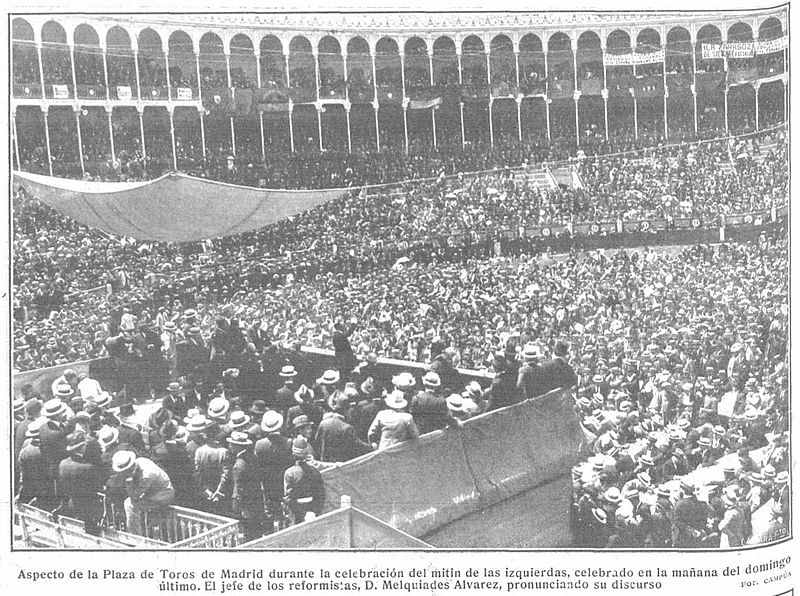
column 395, row 280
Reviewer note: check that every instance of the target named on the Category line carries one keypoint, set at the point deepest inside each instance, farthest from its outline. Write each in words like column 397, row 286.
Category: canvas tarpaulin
column 538, row 518
column 415, row 486
column 520, row 447
column 173, row 208
column 446, row 477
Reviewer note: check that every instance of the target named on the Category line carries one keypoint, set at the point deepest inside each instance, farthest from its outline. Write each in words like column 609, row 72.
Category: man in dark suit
column 503, row 391
column 192, row 353
column 336, row 439
column 557, row 373
column 530, row 373
column 429, row 406
column 367, row 407
column 258, row 335
column 79, row 483
column 52, row 434
column 174, row 400
column 32, row 409
column 305, row 406
column 284, row 397
column 343, row 351
column 273, row 455
column 36, row 478
column 442, row 365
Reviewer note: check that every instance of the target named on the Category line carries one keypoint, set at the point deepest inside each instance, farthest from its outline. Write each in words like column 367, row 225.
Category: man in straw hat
column 733, row 527
column 284, row 397
column 36, row 479
column 429, row 406
column 327, row 387
column 369, row 404
column 690, row 519
column 32, row 410
column 503, row 391
column 79, row 482
column 172, row 457
column 530, row 373
column 393, row 425
column 247, row 500
column 336, row 439
column 304, row 405
column 69, row 378
column 274, row 456
column 52, row 434
column 148, row 487
column 212, row 464
column 304, row 489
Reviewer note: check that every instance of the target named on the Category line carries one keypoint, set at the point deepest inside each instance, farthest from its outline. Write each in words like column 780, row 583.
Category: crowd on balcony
column 679, row 357
column 57, row 66
column 152, row 69
column 26, row 66
column 89, row 70
column 121, row 71
column 57, row 261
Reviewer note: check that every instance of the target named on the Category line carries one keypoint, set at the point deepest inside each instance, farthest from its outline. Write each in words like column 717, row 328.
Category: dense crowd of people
column 679, row 357
column 68, row 279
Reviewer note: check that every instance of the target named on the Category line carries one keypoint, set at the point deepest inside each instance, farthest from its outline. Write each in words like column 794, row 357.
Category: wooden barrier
column 344, row 528
column 513, row 459
column 174, row 527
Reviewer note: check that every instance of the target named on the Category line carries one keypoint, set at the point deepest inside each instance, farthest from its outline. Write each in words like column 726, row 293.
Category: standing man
column 336, row 439
column 247, row 500
column 393, row 425
column 212, row 465
column 429, row 406
column 303, row 488
column 80, row 481
column 274, row 456
column 690, row 519
column 342, row 350
column 148, row 486
column 530, row 377
column 557, row 373
column 284, row 397
column 36, row 479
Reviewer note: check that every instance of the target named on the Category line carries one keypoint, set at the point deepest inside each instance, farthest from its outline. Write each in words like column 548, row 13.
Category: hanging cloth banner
column 729, row 50
column 632, row 59
column 184, row 94
column 60, row 92
column 124, row 93
column 773, row 45
column 415, row 104
column 746, row 49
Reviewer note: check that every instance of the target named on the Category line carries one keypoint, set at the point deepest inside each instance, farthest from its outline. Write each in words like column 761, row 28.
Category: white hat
column 54, row 407
column 431, row 379
column 103, row 399
column 329, row 377
column 531, row 352
column 271, row 421
column 288, row 372
column 404, row 380
column 123, row 460
column 396, row 400
column 455, row 402
column 107, row 435
column 218, row 408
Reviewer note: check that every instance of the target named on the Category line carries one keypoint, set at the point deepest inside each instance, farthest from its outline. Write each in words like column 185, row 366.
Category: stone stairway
column 536, row 176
